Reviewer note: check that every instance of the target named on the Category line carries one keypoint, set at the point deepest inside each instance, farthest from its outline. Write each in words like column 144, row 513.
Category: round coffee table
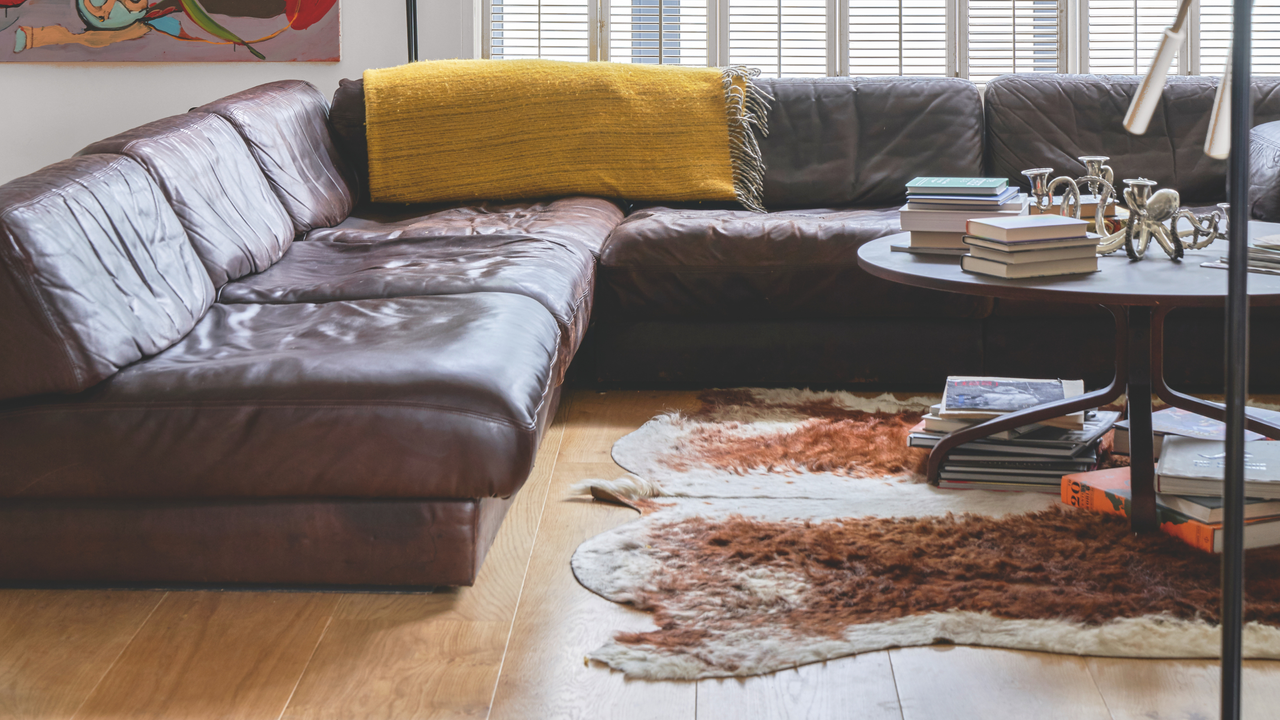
column 1138, row 295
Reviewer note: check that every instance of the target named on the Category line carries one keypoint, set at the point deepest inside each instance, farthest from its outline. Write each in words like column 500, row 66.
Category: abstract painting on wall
column 169, row 30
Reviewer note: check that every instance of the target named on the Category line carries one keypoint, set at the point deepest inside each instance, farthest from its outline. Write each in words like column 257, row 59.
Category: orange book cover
column 1107, row 491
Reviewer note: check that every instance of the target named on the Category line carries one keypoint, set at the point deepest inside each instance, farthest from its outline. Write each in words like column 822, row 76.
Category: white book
column 943, row 251
column 1029, row 256
column 928, row 239
column 1015, row 271
column 952, row 220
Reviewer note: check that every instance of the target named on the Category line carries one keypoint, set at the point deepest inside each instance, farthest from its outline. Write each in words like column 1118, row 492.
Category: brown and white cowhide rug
column 783, row 527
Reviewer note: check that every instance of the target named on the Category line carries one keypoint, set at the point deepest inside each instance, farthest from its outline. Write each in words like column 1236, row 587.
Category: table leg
column 1142, row 467
column 949, row 442
column 1186, row 402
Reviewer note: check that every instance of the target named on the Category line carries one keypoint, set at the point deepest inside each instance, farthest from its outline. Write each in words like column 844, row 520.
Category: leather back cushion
column 1050, row 120
column 858, row 141
column 831, row 142
column 230, row 213
column 286, row 125
column 1264, row 172
column 95, row 273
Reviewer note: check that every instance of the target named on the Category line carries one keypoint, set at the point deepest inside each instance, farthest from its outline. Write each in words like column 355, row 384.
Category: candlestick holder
column 1149, row 210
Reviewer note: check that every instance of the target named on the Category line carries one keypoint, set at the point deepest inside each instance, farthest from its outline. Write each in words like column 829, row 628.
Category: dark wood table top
column 1155, row 280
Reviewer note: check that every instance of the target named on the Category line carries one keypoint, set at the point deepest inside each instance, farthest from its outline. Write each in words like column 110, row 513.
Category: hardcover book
column 1022, row 271
column 1190, row 466
column 1028, row 227
column 985, row 397
column 957, row 186
column 966, row 201
column 1176, row 421
column 1108, row 491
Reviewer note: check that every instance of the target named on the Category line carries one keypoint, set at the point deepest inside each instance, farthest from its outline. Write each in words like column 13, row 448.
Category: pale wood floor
column 513, row 645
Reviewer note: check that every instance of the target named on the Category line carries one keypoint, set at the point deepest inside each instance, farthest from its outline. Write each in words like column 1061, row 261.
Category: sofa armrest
column 1264, row 172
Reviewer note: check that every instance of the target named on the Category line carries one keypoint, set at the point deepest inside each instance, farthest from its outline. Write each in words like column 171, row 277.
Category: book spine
column 1086, row 497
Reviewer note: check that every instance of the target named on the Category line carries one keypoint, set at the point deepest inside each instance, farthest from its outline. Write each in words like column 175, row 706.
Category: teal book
column 956, row 186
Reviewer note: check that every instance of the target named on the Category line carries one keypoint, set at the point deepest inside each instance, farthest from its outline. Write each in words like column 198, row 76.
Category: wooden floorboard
column 545, row 674
column 56, row 645
column 214, row 655
column 967, row 683
column 853, row 688
column 431, row 655
column 1181, row 689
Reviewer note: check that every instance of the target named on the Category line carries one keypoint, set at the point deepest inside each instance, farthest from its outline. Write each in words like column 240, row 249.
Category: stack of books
column 1264, row 256
column 938, row 209
column 1029, row 246
column 1030, row 458
column 1189, row 482
column 1111, row 215
column 1175, row 421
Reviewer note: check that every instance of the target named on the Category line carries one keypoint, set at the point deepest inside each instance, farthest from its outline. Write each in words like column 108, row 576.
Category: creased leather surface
column 95, row 273
column 1049, row 120
column 691, row 263
column 909, row 127
column 558, row 274
column 297, row 542
column 202, row 165
column 583, row 220
column 286, row 125
column 346, row 113
column 439, row 397
column 1264, row 172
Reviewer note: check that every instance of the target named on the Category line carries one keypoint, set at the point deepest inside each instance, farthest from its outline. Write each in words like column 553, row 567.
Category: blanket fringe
column 748, row 108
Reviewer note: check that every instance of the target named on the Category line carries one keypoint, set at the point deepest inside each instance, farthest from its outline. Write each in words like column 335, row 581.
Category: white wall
column 49, row 111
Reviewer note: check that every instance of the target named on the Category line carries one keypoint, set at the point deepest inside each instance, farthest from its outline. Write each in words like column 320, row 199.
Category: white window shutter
column 1124, row 34
column 784, row 38
column 1014, row 36
column 668, row 32
column 551, row 29
column 897, row 37
column 1215, row 36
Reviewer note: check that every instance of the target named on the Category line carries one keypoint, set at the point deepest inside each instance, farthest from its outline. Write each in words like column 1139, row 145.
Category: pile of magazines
column 1028, row 458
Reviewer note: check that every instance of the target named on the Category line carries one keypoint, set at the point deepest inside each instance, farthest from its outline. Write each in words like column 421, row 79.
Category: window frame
column 1073, row 35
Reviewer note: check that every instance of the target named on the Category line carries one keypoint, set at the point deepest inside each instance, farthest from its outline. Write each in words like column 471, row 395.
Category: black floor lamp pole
column 1237, row 359
column 411, row 21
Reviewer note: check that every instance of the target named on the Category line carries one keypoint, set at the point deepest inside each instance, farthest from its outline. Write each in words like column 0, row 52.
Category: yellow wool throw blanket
column 460, row 130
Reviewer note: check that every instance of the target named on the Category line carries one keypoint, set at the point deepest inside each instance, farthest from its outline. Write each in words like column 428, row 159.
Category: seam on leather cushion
column 229, row 405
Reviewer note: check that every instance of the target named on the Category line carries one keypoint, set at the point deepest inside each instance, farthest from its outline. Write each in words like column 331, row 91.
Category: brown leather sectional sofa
column 220, row 364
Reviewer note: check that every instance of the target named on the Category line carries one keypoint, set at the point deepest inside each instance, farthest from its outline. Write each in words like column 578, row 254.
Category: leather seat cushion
column 664, row 263
column 219, row 193
column 583, row 220
column 286, row 125
column 439, row 397
column 95, row 273
column 558, row 274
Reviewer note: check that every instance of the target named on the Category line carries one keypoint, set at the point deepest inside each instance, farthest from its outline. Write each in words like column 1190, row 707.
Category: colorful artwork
column 169, row 30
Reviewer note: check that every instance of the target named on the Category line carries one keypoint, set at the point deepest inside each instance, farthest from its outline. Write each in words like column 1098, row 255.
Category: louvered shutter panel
column 897, row 37
column 1124, row 34
column 1215, row 36
column 1013, row 36
column 784, row 38
column 551, row 29
column 670, row 32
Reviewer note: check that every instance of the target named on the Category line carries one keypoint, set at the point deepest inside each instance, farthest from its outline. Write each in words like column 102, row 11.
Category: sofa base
column 318, row 543
column 890, row 354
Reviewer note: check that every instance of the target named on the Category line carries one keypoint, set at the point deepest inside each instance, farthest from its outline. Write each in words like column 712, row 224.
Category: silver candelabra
column 1149, row 210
